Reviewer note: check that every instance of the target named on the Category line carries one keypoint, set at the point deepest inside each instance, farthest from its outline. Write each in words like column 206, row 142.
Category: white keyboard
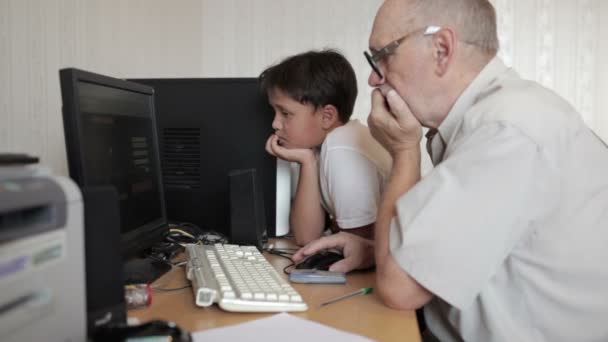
column 238, row 278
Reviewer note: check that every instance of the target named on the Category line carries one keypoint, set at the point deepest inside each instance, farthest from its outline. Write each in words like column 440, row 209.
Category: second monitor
column 208, row 128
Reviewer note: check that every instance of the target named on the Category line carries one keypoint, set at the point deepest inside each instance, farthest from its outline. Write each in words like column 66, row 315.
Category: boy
column 342, row 168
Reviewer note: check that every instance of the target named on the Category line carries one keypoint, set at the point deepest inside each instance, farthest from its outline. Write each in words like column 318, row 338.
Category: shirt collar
column 447, row 129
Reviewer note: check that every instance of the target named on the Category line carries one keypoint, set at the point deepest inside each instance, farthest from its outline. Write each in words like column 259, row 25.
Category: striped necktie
column 435, row 145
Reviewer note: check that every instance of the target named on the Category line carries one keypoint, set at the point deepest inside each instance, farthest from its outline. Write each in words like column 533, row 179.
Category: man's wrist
column 408, row 154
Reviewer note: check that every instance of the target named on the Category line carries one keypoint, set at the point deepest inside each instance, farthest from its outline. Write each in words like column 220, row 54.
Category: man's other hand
column 358, row 252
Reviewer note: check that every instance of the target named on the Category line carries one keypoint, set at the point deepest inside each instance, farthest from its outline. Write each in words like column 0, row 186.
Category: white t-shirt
column 510, row 229
column 353, row 168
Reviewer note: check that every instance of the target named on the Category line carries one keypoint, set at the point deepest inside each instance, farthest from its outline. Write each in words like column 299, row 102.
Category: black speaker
column 247, row 217
column 104, row 277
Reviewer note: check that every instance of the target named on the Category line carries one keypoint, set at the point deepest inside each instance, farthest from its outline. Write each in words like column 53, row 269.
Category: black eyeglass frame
column 390, row 48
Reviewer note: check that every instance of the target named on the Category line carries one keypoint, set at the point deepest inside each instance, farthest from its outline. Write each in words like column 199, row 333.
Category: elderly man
column 507, row 238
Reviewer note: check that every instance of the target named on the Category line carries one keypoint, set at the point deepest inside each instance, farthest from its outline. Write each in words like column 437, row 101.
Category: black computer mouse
column 320, row 261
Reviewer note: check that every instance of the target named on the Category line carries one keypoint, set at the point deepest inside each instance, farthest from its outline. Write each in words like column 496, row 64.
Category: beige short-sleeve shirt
column 510, row 229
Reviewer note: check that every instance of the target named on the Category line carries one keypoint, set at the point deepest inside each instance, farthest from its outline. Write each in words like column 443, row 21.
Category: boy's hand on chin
column 298, row 155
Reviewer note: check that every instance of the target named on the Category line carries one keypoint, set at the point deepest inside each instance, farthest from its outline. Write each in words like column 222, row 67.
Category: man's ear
column 329, row 116
column 443, row 49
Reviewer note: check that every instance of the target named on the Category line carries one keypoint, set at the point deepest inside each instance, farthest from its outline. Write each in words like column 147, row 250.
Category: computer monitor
column 110, row 133
column 209, row 127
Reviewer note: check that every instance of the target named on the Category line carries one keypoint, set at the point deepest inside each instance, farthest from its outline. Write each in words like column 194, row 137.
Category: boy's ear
column 329, row 116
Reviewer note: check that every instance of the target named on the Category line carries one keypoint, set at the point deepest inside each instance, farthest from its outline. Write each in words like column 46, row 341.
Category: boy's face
column 297, row 125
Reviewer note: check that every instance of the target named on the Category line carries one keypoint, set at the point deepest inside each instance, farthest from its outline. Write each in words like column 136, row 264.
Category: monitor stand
column 143, row 270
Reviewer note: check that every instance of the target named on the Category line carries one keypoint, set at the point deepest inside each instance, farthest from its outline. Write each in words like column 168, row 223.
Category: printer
column 42, row 280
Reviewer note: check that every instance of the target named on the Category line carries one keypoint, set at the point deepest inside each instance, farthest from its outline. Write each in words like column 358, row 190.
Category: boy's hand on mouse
column 392, row 123
column 298, row 155
column 358, row 252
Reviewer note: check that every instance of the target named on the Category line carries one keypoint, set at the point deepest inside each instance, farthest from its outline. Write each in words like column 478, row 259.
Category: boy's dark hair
column 315, row 77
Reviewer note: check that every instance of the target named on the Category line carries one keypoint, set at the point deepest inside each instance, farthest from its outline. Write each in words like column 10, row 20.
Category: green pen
column 364, row 291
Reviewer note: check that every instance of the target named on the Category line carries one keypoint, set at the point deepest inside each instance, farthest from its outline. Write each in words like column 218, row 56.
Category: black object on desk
column 320, row 261
column 144, row 270
column 17, row 159
column 157, row 328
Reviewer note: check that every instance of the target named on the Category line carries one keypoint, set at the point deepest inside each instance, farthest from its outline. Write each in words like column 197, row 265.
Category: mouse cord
column 284, row 253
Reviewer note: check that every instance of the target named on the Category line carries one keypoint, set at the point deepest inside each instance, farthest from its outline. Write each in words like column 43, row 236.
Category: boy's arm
column 307, row 217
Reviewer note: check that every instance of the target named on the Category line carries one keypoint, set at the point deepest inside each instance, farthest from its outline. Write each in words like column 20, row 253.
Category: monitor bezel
column 134, row 241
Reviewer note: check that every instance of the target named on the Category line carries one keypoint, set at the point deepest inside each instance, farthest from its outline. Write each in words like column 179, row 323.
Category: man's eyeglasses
column 390, row 48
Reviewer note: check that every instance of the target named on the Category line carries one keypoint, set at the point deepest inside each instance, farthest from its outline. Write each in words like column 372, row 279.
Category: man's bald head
column 474, row 21
column 431, row 73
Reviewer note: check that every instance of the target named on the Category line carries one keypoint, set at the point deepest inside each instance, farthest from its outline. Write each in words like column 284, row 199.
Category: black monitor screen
column 111, row 138
column 118, row 148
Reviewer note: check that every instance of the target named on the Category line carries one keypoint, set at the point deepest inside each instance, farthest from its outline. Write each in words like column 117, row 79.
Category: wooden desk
column 363, row 315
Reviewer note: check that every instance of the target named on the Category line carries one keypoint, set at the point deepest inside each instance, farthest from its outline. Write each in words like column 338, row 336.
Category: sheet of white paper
column 279, row 327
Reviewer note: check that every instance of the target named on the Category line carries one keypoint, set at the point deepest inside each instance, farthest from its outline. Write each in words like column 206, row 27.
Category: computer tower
column 208, row 127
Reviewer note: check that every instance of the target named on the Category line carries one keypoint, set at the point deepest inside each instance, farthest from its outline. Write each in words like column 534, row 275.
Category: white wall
column 558, row 43
column 154, row 38
column 601, row 89
column 561, row 43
